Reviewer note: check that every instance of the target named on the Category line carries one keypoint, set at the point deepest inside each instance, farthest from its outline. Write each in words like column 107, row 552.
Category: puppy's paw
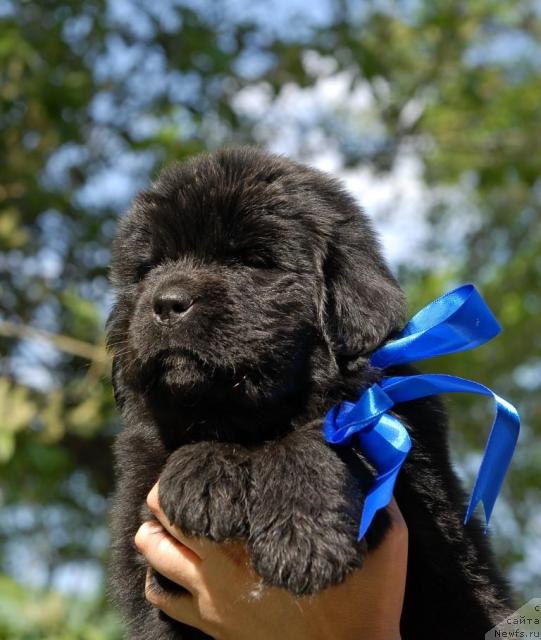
column 204, row 490
column 304, row 514
column 296, row 555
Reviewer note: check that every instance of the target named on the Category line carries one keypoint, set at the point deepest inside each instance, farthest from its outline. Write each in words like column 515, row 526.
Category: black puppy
column 250, row 293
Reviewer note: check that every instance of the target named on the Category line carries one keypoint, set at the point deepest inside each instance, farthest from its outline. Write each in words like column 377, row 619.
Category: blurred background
column 430, row 110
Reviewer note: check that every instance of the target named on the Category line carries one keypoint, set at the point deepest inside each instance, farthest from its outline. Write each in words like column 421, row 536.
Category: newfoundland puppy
column 251, row 291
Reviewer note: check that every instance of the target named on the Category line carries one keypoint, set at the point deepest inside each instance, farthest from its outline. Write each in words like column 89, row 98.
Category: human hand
column 225, row 598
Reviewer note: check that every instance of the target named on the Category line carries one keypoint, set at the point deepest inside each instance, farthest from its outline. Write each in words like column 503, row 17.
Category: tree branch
column 95, row 353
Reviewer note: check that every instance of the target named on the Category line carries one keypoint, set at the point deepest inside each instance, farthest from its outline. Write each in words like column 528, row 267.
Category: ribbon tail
column 379, row 496
column 501, row 441
column 386, row 446
column 496, row 459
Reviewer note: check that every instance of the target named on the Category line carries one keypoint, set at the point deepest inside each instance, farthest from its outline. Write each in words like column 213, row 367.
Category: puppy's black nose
column 171, row 304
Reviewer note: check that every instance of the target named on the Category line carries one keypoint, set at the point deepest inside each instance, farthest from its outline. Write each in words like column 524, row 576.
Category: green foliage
column 17, row 411
column 89, row 94
column 36, row 616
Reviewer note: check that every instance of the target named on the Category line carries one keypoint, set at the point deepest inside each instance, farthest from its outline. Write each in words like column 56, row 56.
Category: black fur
column 289, row 294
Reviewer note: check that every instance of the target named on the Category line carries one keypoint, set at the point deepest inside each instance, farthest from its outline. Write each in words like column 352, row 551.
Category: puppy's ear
column 364, row 303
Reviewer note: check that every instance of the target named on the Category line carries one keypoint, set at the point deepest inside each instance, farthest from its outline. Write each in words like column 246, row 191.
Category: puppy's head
column 234, row 267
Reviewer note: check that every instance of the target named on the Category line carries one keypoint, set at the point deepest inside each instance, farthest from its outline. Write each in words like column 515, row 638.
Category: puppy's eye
column 257, row 261
column 142, row 270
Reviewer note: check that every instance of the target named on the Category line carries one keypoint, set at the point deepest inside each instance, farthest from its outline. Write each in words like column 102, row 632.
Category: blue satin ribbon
column 457, row 321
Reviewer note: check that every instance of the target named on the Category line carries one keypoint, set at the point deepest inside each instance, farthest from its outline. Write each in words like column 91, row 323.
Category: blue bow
column 457, row 321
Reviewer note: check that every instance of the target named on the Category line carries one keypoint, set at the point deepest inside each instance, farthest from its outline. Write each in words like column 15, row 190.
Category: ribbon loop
column 457, row 321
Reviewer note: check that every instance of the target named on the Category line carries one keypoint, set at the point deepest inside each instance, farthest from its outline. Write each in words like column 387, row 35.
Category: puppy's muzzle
column 170, row 304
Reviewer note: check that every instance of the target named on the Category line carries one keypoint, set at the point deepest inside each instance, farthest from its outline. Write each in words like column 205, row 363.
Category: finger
column 385, row 567
column 399, row 528
column 397, row 518
column 200, row 546
column 180, row 607
column 168, row 556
